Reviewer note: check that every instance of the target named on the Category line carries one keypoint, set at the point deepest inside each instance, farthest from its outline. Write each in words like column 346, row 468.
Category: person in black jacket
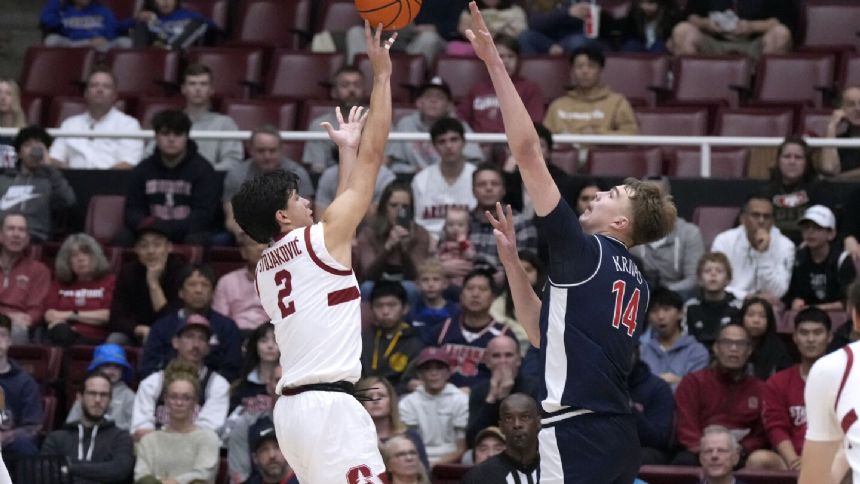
column 97, row 450
column 175, row 185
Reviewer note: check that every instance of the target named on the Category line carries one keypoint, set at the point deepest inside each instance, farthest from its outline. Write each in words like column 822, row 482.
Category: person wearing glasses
column 760, row 255
column 724, row 394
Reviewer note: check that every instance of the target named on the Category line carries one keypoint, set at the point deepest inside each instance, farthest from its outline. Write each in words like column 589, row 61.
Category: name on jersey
column 623, row 264
column 279, row 255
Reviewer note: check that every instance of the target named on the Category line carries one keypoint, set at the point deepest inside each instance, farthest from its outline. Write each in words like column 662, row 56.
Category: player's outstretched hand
column 503, row 230
column 481, row 38
column 348, row 133
column 377, row 50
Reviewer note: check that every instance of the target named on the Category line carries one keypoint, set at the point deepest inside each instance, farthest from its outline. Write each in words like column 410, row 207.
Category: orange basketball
column 392, row 14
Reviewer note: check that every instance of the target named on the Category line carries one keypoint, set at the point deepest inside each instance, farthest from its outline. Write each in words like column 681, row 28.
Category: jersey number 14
column 622, row 315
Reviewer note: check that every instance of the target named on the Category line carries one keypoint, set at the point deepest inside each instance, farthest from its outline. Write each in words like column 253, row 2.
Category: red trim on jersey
column 848, row 420
column 322, row 265
column 343, row 295
column 850, row 355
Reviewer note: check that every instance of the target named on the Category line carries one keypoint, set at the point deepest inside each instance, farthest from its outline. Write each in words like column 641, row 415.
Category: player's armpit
column 817, row 461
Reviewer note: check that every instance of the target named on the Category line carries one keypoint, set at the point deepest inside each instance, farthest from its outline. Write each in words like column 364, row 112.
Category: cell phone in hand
column 404, row 219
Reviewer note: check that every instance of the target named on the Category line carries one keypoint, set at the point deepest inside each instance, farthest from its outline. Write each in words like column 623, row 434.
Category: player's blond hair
column 653, row 213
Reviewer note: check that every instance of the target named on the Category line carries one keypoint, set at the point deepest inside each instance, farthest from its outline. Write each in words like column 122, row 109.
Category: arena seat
column 250, row 114
column 192, row 254
column 212, row 9
column 33, row 107
column 312, row 109
column 636, row 76
column 850, row 72
column 62, row 107
column 408, row 72
column 830, row 23
column 123, row 9
column 672, row 121
column 710, row 80
column 148, row 107
column 104, row 218
column 274, row 23
column 794, row 79
column 234, row 70
column 144, row 72
column 224, row 259
column 635, row 162
column 55, row 71
column 460, row 73
column 566, row 158
column 550, row 72
column 49, row 413
column 713, row 220
column 302, row 75
column 448, row 473
column 725, row 162
column 755, row 122
column 337, row 16
column 692, row 475
column 42, row 362
column 813, row 122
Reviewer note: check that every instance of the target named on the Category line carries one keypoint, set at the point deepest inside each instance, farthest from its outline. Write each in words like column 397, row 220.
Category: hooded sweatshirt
column 35, row 195
column 23, row 412
column 101, row 454
column 602, row 110
column 685, row 356
column 672, row 261
column 94, row 20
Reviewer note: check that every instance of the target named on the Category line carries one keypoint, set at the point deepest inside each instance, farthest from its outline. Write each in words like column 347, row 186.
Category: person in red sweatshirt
column 724, row 394
column 783, row 405
column 25, row 281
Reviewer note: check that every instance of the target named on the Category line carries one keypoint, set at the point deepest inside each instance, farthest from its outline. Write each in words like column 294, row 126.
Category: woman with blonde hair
column 402, row 463
column 11, row 116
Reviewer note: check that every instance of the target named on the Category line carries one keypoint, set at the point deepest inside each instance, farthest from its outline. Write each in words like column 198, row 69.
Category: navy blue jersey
column 465, row 349
column 594, row 308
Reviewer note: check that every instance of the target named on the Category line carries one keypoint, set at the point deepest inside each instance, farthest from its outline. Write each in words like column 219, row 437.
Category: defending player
column 832, row 398
column 593, row 308
column 309, row 291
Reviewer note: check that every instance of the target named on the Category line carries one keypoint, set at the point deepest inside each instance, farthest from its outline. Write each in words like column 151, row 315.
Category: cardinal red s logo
column 360, row 475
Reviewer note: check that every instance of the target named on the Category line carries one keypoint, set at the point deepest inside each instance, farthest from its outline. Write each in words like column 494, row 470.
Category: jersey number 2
column 621, row 315
column 284, row 280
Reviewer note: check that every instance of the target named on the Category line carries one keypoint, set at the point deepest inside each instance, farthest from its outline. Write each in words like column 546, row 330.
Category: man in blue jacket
column 81, row 23
column 21, row 412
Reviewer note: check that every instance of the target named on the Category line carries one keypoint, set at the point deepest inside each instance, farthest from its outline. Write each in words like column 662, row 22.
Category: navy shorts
column 590, row 449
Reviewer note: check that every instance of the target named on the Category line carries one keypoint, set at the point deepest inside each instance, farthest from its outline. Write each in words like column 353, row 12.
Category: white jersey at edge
column 314, row 304
column 832, row 397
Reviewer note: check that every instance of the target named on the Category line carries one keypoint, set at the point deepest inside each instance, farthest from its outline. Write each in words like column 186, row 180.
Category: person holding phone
column 844, row 123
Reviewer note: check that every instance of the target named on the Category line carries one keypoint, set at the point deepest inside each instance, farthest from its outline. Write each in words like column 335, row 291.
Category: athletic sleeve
column 822, row 386
column 573, row 255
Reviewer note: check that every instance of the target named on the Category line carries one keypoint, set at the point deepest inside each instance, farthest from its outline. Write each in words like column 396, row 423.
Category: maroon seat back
column 633, row 74
column 755, row 122
column 710, row 79
column 105, row 217
column 713, row 220
column 270, row 22
column 635, row 162
column 55, row 71
column 144, row 72
column 302, row 75
column 725, row 163
column 233, row 69
column 550, row 72
column 795, row 78
column 409, row 71
column 461, row 73
column 831, row 23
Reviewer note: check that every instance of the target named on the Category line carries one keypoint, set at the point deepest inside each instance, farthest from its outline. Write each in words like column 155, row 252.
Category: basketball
column 392, row 14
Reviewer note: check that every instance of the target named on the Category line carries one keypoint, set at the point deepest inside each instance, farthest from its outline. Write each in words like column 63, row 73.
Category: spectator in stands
column 720, row 454
column 11, row 116
column 236, row 295
column 447, row 183
column 175, row 185
column 505, row 20
column 213, row 400
column 502, row 357
column 465, row 338
column 822, row 272
column 584, row 193
column 761, row 257
column 195, row 293
column 653, row 405
column 671, row 261
column 724, row 394
column 590, row 107
column 844, row 123
column 769, row 354
column 519, row 420
column 783, row 407
column 266, row 157
column 724, row 27
column 435, row 103
column 77, row 309
column 166, row 24
column 96, row 450
column 555, row 27
column 488, row 187
column 390, row 344
column 432, row 308
column 21, row 412
column 33, row 187
column 455, row 251
column 239, row 424
column 109, row 360
column 480, row 109
column 271, row 466
column 402, row 465
column 383, row 405
column 489, row 442
column 260, row 358
column 100, row 117
column 392, row 246
column 714, row 307
column 347, row 89
column 502, row 308
column 327, row 188
column 184, row 451
column 81, row 23
column 23, row 301
column 669, row 353
column 437, row 409
column 147, row 287
column 647, row 27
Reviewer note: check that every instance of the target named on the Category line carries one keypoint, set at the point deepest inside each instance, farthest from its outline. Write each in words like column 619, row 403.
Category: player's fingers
column 328, row 127
column 363, row 117
column 477, row 18
column 499, row 213
column 470, row 36
column 377, row 36
column 338, row 115
column 510, row 212
column 491, row 219
column 352, row 113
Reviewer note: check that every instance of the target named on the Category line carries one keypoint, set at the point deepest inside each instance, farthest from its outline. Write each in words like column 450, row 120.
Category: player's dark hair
column 506, row 40
column 257, row 200
column 486, row 273
column 171, row 121
column 813, row 314
column 488, row 166
column 653, row 211
column 592, row 51
column 446, row 125
column 389, row 288
column 37, row 133
column 202, row 269
column 545, row 134
column 663, row 297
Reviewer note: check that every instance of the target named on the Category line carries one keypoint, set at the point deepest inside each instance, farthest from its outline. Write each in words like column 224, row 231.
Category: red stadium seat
column 212, row 9
column 550, row 72
column 672, row 121
column 850, row 72
column 250, row 114
column 408, row 71
column 312, row 110
column 634, row 74
column 693, row 475
column 448, row 473
column 234, row 70
column 62, row 107
column 713, row 220
column 755, row 122
column 710, row 79
column 147, row 108
column 565, row 158
column 105, row 217
column 725, row 162
column 32, row 106
column 123, row 9
column 144, row 72
column 814, row 122
column 302, row 75
column 794, row 79
column 224, row 259
column 42, row 362
column 49, row 413
column 55, row 71
column 192, row 254
column 831, row 23
column 337, row 16
column 635, row 162
column 273, row 23
column 461, row 73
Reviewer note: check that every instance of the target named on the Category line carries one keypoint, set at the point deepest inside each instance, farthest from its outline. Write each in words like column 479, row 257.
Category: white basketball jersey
column 833, row 402
column 314, row 304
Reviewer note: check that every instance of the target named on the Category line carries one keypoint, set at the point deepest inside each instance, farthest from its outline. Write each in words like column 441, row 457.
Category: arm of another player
column 522, row 137
column 346, row 137
column 346, row 211
column 526, row 302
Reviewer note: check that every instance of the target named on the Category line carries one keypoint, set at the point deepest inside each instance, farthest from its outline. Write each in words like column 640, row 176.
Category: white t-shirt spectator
column 434, row 195
column 98, row 153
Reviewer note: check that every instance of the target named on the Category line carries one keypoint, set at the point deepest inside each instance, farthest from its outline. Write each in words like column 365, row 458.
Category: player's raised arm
column 522, row 137
column 346, row 211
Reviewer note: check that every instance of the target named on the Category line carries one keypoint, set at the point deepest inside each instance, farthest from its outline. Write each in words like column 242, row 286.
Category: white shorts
column 328, row 438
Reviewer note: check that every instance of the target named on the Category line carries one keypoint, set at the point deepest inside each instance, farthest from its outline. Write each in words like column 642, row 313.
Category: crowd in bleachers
column 140, row 351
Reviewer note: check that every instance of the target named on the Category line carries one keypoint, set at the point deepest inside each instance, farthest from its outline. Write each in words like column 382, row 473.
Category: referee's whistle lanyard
column 375, row 362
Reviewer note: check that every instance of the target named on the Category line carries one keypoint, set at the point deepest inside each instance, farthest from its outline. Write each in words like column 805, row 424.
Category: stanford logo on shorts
column 360, row 475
